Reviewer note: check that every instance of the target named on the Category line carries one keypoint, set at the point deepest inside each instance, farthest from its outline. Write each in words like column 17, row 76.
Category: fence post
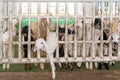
column 1, row 31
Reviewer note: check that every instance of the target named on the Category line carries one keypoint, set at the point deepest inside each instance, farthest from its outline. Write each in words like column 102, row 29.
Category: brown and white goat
column 39, row 32
column 42, row 29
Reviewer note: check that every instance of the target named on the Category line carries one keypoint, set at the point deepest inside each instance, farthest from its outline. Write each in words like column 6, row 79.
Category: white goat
column 5, row 38
column 79, row 27
column 71, row 38
column 88, row 45
column 49, row 46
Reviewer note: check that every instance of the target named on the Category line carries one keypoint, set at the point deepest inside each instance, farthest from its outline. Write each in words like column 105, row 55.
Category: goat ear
column 32, row 32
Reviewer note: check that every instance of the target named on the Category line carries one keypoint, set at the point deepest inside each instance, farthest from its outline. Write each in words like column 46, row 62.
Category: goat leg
column 52, row 66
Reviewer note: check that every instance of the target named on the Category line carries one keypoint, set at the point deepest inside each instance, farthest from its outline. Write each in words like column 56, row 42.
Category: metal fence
column 12, row 12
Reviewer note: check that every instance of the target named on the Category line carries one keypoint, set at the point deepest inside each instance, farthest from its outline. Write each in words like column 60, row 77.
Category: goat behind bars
column 36, row 32
column 89, row 28
column 39, row 32
column 79, row 27
column 114, row 37
column 5, row 38
column 97, row 28
column 49, row 46
column 25, row 46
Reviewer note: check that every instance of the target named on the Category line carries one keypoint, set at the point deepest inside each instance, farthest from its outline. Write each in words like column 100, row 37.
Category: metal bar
column 29, row 30
column 38, row 14
column 84, row 39
column 1, row 30
column 101, row 37
column 19, row 40
column 75, row 36
column 69, row 59
column 10, row 17
column 48, row 16
column 66, row 35
column 57, row 31
column 10, row 31
column 93, row 32
column 20, row 36
column 56, row 0
column 110, row 29
column 33, row 42
column 6, row 8
column 0, row 9
column 59, row 16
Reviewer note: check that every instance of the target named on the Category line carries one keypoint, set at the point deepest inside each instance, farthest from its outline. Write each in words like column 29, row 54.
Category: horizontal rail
column 78, row 17
column 58, row 0
column 92, row 58
column 56, row 60
column 33, row 42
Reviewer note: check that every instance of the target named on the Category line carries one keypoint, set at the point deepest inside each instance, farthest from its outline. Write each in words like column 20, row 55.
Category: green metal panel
column 25, row 22
column 60, row 21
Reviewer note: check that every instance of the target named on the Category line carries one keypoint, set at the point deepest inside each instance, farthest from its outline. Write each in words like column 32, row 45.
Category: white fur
column 118, row 27
column 88, row 45
column 97, row 48
column 79, row 27
column 5, row 38
column 49, row 46
column 115, row 37
column 70, row 38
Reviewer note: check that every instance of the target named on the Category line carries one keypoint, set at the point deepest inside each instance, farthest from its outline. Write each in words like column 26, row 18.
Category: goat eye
column 41, row 42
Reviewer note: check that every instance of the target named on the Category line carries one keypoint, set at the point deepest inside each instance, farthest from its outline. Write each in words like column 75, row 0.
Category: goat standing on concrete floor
column 5, row 38
column 38, row 31
column 79, row 27
column 25, row 46
column 49, row 46
column 97, row 28
column 89, row 29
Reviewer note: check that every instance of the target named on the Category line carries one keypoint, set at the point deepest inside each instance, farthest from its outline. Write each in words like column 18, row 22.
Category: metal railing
column 8, row 17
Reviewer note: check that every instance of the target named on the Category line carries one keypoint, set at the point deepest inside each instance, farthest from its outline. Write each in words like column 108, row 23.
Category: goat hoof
column 66, row 67
column 100, row 66
column 42, row 66
column 70, row 68
column 30, row 68
column 53, row 77
column 113, row 64
column 35, row 65
column 78, row 67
